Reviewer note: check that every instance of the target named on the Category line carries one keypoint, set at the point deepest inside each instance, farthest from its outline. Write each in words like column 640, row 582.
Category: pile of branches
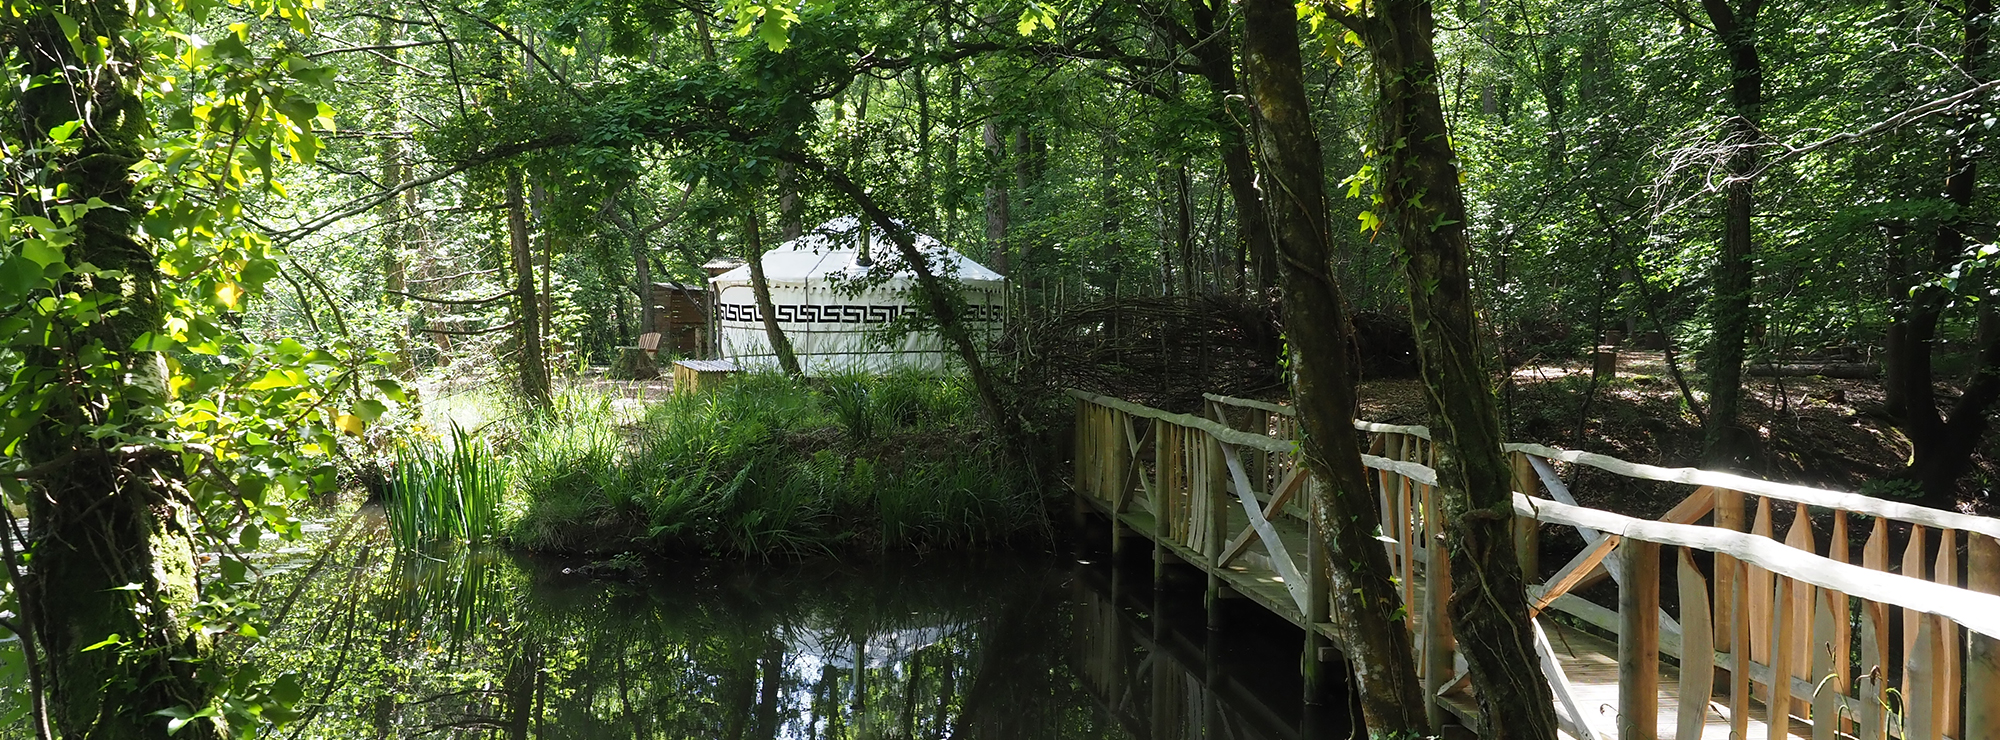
column 1162, row 351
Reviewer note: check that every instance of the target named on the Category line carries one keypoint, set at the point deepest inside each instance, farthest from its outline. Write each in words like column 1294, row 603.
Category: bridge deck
column 1589, row 660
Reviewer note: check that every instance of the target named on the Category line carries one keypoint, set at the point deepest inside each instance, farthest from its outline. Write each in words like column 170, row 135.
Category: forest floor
column 1815, row 431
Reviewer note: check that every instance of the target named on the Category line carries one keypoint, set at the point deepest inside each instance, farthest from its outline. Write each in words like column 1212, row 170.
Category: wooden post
column 1212, row 490
column 1920, row 694
column 1873, row 723
column 1778, row 700
column 1319, row 602
column 1739, row 635
column 1950, row 639
column 1527, row 531
column 1437, row 648
column 1982, row 659
column 1913, row 566
column 1729, row 516
column 1639, row 641
column 1760, row 591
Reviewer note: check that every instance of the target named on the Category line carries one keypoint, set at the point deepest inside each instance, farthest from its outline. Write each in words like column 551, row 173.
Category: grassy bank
column 765, row 466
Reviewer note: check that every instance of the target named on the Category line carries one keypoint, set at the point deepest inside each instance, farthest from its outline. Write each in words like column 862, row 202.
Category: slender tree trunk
column 532, row 367
column 642, row 269
column 1425, row 208
column 110, row 532
column 1367, row 606
column 946, row 306
column 753, row 253
column 997, row 215
column 791, row 208
column 1212, row 52
column 1942, row 444
column 1725, row 443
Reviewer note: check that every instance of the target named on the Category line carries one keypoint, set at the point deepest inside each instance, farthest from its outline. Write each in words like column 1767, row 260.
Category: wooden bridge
column 1903, row 644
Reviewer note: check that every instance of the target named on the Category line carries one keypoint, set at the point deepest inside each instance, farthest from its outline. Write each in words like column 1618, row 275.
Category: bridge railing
column 1925, row 664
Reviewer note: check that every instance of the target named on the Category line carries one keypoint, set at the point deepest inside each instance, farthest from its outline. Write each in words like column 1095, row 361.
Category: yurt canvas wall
column 834, row 329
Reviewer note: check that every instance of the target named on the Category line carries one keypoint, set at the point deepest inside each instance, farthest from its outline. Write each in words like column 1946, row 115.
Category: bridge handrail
column 1977, row 611
column 1852, row 502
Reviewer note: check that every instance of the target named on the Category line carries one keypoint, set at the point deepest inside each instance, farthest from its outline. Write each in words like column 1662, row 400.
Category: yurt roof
column 827, row 252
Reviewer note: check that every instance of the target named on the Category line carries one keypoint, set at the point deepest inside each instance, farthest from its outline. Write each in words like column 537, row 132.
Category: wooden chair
column 650, row 342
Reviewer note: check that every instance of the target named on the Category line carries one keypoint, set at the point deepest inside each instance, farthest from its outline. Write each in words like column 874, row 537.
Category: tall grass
column 444, row 491
column 767, row 466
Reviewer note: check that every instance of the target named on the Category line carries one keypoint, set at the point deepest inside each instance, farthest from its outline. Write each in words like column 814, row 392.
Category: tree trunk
column 997, row 215
column 110, row 533
column 1942, row 445
column 533, row 370
column 642, row 269
column 1253, row 230
column 1426, row 209
column 1725, row 443
column 753, row 253
column 1367, row 605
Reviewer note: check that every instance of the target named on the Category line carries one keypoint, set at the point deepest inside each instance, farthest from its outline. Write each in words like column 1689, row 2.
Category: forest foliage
column 239, row 232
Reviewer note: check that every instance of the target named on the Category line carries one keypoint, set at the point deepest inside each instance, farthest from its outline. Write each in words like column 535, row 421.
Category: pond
column 1042, row 641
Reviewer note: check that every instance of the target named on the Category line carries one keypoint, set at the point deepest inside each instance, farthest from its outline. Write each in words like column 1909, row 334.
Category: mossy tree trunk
column 1425, row 208
column 531, row 366
column 1318, row 332
column 110, row 535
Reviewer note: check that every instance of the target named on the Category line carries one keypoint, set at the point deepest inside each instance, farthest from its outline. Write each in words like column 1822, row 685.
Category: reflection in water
column 484, row 644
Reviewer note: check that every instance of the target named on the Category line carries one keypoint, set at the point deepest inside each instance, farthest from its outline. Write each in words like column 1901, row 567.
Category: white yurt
column 835, row 325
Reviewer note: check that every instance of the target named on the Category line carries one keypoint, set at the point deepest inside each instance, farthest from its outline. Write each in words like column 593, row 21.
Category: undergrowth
column 766, row 466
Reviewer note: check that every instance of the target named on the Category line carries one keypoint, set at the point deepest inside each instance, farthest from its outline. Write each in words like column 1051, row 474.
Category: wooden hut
column 680, row 315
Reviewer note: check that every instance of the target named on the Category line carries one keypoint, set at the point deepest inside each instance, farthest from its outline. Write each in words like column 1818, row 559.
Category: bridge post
column 1211, row 487
column 1319, row 600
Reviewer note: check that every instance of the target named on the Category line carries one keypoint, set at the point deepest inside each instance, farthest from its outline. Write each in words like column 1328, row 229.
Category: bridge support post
column 1212, row 488
column 1318, row 671
column 1639, row 641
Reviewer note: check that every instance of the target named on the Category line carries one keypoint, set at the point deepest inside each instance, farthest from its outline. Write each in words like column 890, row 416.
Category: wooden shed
column 680, row 315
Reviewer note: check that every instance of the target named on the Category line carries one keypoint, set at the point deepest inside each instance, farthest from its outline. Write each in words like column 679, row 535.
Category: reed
column 444, row 491
column 766, row 466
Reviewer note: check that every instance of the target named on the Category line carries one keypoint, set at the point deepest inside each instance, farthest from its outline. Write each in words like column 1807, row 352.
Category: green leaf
column 63, row 132
column 113, row 641
column 287, row 690
column 391, row 390
column 274, row 379
column 18, row 275
column 369, row 409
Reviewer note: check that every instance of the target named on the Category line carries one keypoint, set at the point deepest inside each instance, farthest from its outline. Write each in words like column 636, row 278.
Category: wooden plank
column 1837, row 604
column 1778, row 696
column 1913, row 567
column 1639, row 642
column 1873, row 722
column 1975, row 611
column 1728, row 515
column 1527, row 532
column 1697, row 680
column 1410, row 527
column 1437, row 647
column 1921, row 699
column 1982, row 658
column 1827, row 688
column 1945, row 571
column 1292, row 484
column 1800, row 536
column 1280, row 558
column 1760, row 589
column 1571, row 574
column 1568, row 712
column 1739, row 635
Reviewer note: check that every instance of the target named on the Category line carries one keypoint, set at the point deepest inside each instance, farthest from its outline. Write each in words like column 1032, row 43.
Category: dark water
column 1020, row 644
